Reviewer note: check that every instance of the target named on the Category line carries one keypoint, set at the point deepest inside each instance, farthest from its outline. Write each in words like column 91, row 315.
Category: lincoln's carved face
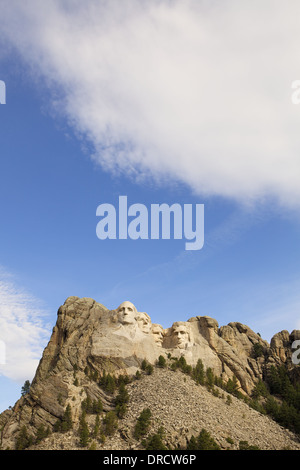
column 126, row 313
column 181, row 335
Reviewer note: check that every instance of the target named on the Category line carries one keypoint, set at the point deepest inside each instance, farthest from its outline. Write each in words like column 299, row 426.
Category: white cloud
column 192, row 90
column 22, row 330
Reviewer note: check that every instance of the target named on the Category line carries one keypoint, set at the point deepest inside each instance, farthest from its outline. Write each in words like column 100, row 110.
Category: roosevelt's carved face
column 158, row 333
column 180, row 334
column 126, row 313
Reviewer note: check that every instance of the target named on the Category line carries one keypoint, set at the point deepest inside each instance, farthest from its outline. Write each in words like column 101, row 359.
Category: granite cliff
column 90, row 342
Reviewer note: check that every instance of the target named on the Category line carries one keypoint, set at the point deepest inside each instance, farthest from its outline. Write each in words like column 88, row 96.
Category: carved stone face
column 158, row 333
column 144, row 322
column 126, row 313
column 181, row 336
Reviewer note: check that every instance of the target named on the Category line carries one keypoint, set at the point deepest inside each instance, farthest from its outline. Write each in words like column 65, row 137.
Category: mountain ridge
column 89, row 342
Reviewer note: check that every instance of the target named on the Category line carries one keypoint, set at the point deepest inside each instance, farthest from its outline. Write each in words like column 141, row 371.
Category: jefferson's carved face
column 144, row 322
column 126, row 313
column 181, row 335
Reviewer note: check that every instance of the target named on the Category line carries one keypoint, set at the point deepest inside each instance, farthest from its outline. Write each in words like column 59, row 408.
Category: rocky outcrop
column 89, row 340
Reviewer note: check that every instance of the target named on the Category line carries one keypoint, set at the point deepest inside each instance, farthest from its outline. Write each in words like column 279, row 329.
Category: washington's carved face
column 126, row 313
column 181, row 335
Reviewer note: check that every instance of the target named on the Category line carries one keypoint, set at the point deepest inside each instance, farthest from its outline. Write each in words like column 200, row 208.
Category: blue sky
column 160, row 104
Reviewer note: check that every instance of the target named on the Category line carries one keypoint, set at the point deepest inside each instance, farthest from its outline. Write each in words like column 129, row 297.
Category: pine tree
column 110, row 422
column 97, row 406
column 155, row 443
column 110, row 385
column 143, row 423
column 161, row 362
column 122, row 397
column 102, row 380
column 243, row 445
column 89, row 405
column 232, row 386
column 260, row 390
column 57, row 425
column 149, row 369
column 67, row 422
column 206, row 442
column 192, row 445
column 121, row 410
column 41, row 433
column 24, row 440
column 274, row 381
column 83, row 431
column 257, row 350
column 198, row 373
column 210, row 378
column 26, row 387
column 96, row 427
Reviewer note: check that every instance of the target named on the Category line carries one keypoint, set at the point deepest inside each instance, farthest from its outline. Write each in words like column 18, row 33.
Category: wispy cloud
column 23, row 329
column 193, row 91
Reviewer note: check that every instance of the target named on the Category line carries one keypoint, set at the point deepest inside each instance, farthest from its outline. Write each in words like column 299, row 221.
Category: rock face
column 89, row 337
